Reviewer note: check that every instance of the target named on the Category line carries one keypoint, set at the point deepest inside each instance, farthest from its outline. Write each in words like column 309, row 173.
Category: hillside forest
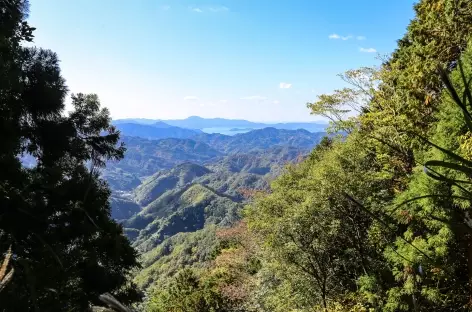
column 371, row 213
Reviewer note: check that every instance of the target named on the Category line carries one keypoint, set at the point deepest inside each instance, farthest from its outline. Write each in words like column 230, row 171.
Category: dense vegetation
column 161, row 215
column 54, row 213
column 375, row 218
column 144, row 157
column 378, row 220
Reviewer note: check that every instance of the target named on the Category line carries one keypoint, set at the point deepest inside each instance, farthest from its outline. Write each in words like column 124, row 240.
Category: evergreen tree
column 66, row 250
column 187, row 293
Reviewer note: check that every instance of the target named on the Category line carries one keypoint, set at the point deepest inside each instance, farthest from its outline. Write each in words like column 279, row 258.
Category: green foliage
column 435, row 216
column 162, row 181
column 55, row 213
column 359, row 225
column 175, row 253
column 342, row 106
column 312, row 233
column 355, row 226
column 184, row 210
column 187, row 293
column 145, row 157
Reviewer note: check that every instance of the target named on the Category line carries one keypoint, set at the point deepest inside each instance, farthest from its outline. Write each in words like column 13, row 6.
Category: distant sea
column 226, row 131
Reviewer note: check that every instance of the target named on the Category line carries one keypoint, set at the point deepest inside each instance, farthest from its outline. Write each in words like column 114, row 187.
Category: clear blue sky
column 259, row 60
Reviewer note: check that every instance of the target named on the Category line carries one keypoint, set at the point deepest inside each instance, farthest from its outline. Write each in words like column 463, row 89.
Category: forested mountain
column 170, row 186
column 374, row 215
column 219, row 188
column 166, row 180
column 375, row 221
column 261, row 139
column 192, row 197
column 155, row 131
column 145, row 157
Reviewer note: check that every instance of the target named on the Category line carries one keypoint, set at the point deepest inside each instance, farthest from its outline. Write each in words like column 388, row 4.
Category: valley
column 175, row 184
column 362, row 204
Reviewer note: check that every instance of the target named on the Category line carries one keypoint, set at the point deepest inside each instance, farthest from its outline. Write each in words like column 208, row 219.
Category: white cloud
column 254, row 98
column 368, row 50
column 223, row 101
column 218, row 9
column 284, row 85
column 214, row 9
column 361, row 38
column 190, row 98
column 276, row 102
column 336, row 37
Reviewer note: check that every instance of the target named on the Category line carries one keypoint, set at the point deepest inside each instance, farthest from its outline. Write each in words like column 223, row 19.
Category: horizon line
column 263, row 122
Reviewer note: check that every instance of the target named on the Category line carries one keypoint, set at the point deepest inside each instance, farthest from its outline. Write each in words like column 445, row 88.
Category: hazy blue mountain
column 145, row 157
column 160, row 124
column 259, row 162
column 309, row 126
column 155, row 131
column 195, row 122
column 142, row 121
column 260, row 139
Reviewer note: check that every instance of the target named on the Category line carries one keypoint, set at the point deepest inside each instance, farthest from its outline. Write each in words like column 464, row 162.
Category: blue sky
column 260, row 60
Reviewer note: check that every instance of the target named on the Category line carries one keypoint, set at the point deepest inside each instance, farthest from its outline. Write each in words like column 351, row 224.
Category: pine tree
column 55, row 215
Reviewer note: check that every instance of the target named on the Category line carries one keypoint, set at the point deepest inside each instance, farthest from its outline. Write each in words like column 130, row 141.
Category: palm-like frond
column 5, row 274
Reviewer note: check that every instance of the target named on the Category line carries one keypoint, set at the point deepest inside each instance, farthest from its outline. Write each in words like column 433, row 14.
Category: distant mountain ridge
column 144, row 157
column 195, row 122
column 260, row 139
column 167, row 192
column 155, row 131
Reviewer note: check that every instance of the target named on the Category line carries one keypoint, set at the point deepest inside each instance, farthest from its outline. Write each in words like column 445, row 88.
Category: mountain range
column 158, row 130
column 176, row 185
column 195, row 122
column 145, row 156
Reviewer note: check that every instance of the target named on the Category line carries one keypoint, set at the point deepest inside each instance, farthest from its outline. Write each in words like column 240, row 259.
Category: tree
column 342, row 106
column 187, row 293
column 316, row 239
column 435, row 265
column 66, row 250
